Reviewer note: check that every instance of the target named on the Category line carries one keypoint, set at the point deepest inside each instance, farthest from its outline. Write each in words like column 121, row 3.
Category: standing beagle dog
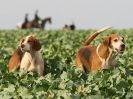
column 93, row 58
column 27, row 56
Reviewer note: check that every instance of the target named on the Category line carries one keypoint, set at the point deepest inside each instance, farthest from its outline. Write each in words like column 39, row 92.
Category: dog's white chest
column 29, row 60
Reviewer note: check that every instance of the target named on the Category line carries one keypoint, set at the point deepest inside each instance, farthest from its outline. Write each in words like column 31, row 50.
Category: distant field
column 62, row 79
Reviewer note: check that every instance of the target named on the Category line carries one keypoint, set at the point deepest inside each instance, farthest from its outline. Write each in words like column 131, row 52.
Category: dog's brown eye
column 115, row 40
column 29, row 41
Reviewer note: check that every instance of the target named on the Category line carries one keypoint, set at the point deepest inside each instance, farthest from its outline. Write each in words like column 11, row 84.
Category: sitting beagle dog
column 91, row 58
column 27, row 56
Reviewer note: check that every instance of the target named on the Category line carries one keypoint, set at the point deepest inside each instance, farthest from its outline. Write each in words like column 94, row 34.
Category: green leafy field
column 62, row 80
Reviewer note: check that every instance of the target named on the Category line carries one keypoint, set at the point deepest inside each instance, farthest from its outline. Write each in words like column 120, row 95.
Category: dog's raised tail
column 91, row 37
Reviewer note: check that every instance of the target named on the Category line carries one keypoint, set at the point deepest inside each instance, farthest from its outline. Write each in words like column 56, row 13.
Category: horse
column 31, row 24
column 44, row 21
column 35, row 23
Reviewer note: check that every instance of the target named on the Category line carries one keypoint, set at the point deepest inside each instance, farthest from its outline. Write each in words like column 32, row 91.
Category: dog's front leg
column 40, row 70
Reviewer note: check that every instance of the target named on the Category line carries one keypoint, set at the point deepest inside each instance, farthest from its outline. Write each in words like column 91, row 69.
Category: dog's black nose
column 123, row 46
column 22, row 46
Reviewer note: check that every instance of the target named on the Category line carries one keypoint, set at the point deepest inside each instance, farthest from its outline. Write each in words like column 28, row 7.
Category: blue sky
column 84, row 13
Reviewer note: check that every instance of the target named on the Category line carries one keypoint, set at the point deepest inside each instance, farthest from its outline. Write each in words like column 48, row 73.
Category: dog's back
column 15, row 60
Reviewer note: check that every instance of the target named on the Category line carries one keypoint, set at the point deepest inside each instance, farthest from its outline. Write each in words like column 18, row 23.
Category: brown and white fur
column 27, row 56
column 15, row 60
column 93, row 58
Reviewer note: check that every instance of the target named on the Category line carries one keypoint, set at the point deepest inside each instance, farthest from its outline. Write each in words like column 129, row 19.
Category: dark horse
column 31, row 24
column 35, row 22
column 44, row 21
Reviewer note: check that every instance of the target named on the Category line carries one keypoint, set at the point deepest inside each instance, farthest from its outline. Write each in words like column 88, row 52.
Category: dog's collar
column 97, row 52
column 101, row 59
column 104, row 61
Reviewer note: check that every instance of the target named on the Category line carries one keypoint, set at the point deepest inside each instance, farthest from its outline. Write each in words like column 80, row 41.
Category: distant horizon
column 86, row 14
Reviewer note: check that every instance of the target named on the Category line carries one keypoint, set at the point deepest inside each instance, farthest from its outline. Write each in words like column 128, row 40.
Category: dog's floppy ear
column 36, row 46
column 107, row 41
column 15, row 60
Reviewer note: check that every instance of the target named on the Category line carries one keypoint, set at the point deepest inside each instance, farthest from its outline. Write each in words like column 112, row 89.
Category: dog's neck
column 103, row 51
column 105, row 54
column 31, row 53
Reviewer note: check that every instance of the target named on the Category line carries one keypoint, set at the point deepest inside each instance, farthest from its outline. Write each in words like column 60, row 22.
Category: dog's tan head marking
column 116, row 43
column 30, row 43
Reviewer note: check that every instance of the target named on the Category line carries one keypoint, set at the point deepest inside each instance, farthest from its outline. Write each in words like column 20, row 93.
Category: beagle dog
column 99, row 57
column 27, row 56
